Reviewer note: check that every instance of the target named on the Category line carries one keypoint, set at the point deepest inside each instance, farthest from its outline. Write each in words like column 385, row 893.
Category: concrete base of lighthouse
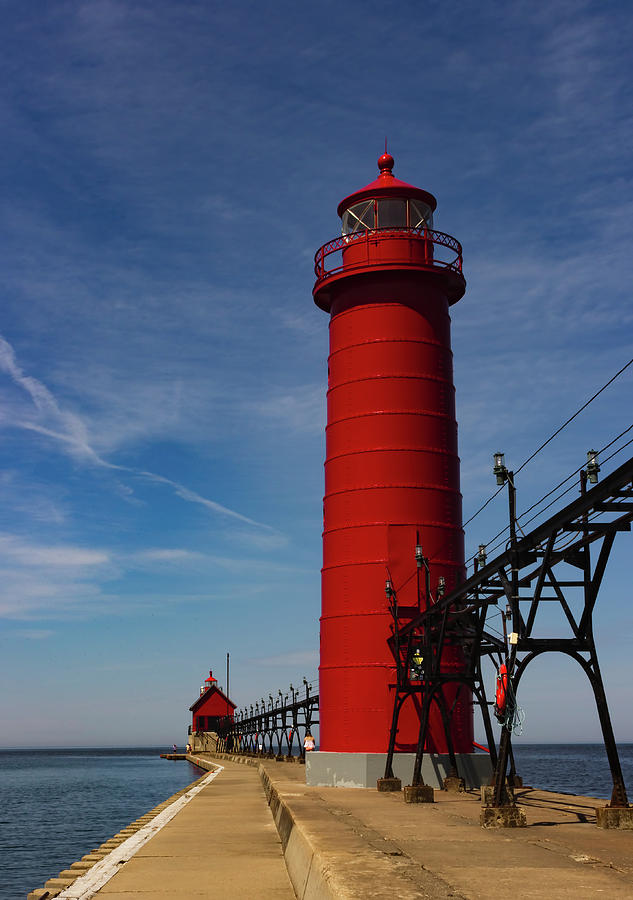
column 362, row 770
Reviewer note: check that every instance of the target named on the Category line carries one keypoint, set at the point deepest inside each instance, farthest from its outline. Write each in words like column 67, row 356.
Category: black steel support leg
column 446, row 722
column 500, row 770
column 490, row 737
column 424, row 721
column 397, row 706
column 618, row 795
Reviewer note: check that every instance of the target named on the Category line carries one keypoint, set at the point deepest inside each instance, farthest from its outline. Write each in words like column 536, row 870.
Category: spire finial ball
column 385, row 164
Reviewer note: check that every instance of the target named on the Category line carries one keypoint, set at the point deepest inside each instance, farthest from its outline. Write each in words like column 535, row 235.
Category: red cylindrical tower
column 391, row 468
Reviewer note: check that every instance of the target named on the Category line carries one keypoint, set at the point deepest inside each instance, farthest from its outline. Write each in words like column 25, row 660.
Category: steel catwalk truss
column 276, row 727
column 551, row 567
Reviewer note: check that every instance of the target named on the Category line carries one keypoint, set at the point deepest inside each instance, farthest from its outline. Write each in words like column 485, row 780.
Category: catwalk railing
column 276, row 727
column 432, row 249
column 551, row 567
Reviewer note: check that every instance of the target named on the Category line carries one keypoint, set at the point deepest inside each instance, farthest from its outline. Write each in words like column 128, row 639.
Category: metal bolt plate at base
column 454, row 784
column 502, row 817
column 388, row 784
column 418, row 793
column 615, row 817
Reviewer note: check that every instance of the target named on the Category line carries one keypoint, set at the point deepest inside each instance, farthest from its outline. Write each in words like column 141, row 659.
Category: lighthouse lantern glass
column 359, row 217
column 392, row 213
column 387, row 212
column 420, row 215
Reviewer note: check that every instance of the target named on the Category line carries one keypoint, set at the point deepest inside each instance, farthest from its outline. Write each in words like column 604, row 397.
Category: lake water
column 572, row 768
column 56, row 805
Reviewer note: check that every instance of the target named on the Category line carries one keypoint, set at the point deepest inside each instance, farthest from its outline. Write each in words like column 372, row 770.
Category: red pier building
column 210, row 711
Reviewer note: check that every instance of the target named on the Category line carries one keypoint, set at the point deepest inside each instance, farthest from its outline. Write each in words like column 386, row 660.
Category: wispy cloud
column 192, row 497
column 70, row 431
column 70, row 581
column 300, row 409
column 166, row 555
column 58, row 579
column 31, row 499
column 32, row 593
column 260, row 540
column 61, row 556
column 34, row 634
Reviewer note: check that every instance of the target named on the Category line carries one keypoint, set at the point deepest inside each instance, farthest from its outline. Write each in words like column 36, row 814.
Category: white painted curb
column 86, row 886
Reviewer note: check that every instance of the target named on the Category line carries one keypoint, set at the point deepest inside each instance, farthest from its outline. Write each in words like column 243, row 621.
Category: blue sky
column 169, row 170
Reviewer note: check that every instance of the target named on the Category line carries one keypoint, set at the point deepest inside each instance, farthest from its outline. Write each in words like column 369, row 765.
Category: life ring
column 501, row 695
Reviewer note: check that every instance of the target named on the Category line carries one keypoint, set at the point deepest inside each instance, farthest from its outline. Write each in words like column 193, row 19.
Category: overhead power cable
column 576, row 471
column 619, row 450
column 559, row 485
column 571, row 418
column 549, row 439
column 481, row 508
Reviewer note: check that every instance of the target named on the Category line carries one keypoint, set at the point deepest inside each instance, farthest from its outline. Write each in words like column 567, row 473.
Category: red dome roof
column 386, row 186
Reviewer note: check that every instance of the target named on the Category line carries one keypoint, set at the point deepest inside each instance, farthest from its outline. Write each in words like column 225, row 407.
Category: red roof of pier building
column 211, row 704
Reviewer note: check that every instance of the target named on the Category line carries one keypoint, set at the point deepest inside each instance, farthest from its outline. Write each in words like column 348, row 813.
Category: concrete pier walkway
column 258, row 831
column 366, row 844
column 217, row 840
column 223, row 844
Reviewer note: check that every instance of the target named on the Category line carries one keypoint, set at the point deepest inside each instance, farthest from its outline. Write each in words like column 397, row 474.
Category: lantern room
column 387, row 203
column 208, row 682
column 387, row 226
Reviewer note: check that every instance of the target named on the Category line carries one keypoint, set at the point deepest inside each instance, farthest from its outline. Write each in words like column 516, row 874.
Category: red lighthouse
column 391, row 468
